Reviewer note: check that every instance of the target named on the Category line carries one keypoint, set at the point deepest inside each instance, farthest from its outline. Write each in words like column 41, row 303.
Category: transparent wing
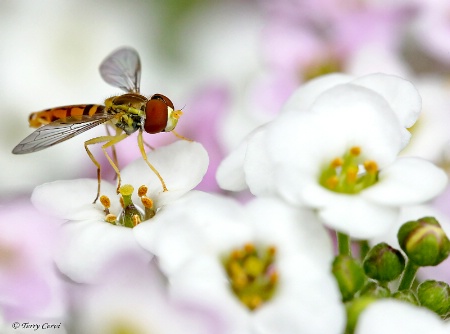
column 59, row 131
column 122, row 69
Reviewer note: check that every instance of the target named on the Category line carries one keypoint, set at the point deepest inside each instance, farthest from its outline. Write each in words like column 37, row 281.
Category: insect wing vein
column 58, row 131
column 122, row 69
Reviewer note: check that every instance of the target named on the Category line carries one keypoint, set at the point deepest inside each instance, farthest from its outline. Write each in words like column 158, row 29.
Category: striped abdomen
column 39, row 118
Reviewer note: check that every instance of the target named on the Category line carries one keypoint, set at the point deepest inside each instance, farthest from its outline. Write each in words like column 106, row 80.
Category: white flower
column 335, row 149
column 389, row 316
column 88, row 239
column 216, row 251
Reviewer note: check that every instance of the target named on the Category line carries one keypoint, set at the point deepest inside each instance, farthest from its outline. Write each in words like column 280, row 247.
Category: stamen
column 142, row 191
column 104, row 200
column 110, row 218
column 355, row 151
column 371, row 166
column 349, row 174
column 337, row 162
column 252, row 274
column 136, row 220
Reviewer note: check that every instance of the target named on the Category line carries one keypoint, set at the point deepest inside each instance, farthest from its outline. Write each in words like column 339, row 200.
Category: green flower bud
column 384, row 263
column 354, row 309
column 375, row 290
column 349, row 275
column 435, row 295
column 407, row 296
column 424, row 242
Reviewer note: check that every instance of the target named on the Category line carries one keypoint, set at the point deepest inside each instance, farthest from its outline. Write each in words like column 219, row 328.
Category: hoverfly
column 126, row 113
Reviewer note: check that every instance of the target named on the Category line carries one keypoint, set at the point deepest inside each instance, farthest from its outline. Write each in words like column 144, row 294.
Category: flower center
column 131, row 215
column 350, row 173
column 252, row 274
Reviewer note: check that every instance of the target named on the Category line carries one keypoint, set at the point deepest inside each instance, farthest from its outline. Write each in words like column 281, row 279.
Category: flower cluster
column 168, row 260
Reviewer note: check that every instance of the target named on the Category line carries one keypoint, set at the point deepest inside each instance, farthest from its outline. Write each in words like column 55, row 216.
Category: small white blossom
column 336, row 150
column 88, row 240
column 200, row 250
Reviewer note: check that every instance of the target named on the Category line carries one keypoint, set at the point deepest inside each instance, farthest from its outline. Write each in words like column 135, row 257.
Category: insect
column 125, row 113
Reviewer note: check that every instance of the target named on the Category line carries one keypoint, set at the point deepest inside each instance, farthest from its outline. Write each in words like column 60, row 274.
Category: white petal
column 230, row 173
column 305, row 96
column 362, row 118
column 401, row 95
column 407, row 181
column 294, row 230
column 307, row 300
column 258, row 168
column 72, row 199
column 356, row 217
column 88, row 245
column 182, row 166
column 197, row 223
column 389, row 316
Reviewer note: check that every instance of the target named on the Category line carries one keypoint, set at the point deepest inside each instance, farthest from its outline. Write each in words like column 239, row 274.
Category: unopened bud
column 349, row 275
column 424, row 242
column 384, row 263
column 435, row 296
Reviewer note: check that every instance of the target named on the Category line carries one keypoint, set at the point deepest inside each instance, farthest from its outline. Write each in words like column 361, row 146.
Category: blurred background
column 229, row 64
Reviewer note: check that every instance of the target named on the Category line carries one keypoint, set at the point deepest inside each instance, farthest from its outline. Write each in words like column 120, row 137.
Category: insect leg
column 180, row 136
column 114, row 140
column 144, row 156
column 113, row 148
column 98, row 140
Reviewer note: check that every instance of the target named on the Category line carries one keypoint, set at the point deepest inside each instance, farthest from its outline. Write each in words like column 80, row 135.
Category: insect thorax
column 131, row 108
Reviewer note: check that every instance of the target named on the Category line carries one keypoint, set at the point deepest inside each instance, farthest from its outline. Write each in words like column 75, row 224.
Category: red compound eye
column 157, row 113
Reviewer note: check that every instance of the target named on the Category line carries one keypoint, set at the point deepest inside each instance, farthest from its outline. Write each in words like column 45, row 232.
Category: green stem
column 344, row 244
column 408, row 276
column 363, row 249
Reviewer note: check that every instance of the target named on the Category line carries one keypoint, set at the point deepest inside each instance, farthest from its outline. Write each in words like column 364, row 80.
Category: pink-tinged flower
column 30, row 287
column 95, row 233
column 133, row 299
column 334, row 148
column 264, row 266
column 390, row 316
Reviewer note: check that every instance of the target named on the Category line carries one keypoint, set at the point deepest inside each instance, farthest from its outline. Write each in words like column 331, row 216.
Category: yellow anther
column 147, row 202
column 136, row 220
column 142, row 191
column 249, row 248
column 332, row 182
column 104, row 200
column 371, row 166
column 126, row 190
column 337, row 162
column 253, row 301
column 274, row 277
column 122, row 204
column 110, row 218
column 237, row 254
column 355, row 151
column 271, row 250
